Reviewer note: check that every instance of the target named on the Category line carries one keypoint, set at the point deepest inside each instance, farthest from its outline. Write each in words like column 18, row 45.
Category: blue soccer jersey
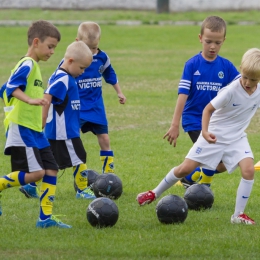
column 90, row 88
column 63, row 117
column 201, row 80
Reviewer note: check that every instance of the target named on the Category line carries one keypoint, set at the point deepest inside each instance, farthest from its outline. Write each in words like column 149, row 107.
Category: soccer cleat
column 30, row 191
column 86, row 194
column 146, row 197
column 186, row 184
column 0, row 204
column 242, row 219
column 51, row 222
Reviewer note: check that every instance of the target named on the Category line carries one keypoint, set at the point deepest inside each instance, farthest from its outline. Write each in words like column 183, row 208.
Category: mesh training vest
column 21, row 113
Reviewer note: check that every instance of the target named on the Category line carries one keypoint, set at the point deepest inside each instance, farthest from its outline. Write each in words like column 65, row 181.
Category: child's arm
column 173, row 132
column 45, row 109
column 19, row 94
column 122, row 98
column 207, row 112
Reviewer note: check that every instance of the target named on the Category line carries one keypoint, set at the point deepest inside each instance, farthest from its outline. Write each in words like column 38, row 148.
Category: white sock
column 243, row 193
column 169, row 180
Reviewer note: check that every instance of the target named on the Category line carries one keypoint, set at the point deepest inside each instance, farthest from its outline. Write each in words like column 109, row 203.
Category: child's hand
column 38, row 102
column 122, row 98
column 209, row 137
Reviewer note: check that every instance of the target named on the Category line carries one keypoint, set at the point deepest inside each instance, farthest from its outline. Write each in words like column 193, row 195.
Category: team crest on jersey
column 101, row 69
column 221, row 74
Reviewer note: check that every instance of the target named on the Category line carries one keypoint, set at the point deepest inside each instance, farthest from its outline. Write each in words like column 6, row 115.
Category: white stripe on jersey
column 61, row 133
column 106, row 64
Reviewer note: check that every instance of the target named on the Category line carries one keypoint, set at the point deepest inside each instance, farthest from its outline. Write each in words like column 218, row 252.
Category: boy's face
column 249, row 82
column 93, row 45
column 77, row 67
column 44, row 50
column 211, row 43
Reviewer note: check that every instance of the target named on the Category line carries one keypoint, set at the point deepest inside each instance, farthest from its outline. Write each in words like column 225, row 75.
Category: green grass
column 148, row 60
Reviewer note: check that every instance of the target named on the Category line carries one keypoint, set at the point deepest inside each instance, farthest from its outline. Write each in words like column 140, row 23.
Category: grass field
column 148, row 60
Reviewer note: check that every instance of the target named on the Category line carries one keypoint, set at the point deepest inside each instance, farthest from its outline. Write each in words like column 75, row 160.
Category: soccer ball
column 92, row 176
column 102, row 212
column 171, row 209
column 199, row 196
column 108, row 185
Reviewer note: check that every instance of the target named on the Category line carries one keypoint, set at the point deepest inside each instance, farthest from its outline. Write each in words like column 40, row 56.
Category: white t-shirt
column 234, row 110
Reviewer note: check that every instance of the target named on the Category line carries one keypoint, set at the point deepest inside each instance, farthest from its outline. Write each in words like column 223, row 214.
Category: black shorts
column 96, row 129
column 194, row 135
column 31, row 159
column 68, row 153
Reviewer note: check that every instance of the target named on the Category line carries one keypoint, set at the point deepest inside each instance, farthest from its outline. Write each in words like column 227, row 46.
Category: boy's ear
column 200, row 37
column 35, row 41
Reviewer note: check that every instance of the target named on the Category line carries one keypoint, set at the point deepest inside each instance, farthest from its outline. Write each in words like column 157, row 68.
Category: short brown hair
column 215, row 24
column 42, row 29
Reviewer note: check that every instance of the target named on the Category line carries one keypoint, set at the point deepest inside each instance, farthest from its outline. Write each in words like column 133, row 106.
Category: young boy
column 31, row 156
column 92, row 111
column 63, row 124
column 223, row 137
column 203, row 75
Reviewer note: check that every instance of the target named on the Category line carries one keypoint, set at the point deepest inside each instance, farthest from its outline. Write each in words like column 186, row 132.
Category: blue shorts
column 92, row 127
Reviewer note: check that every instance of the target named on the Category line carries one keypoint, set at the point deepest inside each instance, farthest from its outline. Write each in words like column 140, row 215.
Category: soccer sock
column 206, row 176
column 194, row 176
column 80, row 176
column 48, row 189
column 243, row 193
column 12, row 179
column 169, row 180
column 107, row 160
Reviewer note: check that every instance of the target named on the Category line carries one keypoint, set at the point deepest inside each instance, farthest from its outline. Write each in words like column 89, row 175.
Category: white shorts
column 210, row 155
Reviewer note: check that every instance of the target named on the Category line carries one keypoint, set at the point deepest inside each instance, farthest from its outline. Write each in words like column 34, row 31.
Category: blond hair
column 89, row 31
column 78, row 50
column 250, row 63
column 215, row 24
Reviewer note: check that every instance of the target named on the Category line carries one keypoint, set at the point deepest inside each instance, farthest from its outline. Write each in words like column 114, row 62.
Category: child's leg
column 47, row 195
column 172, row 177
column 107, row 161
column 17, row 178
column 80, row 176
column 106, row 154
column 243, row 194
column 12, row 179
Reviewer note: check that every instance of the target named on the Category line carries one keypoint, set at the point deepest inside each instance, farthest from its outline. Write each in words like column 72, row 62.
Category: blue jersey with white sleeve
column 63, row 117
column 90, row 88
column 201, row 80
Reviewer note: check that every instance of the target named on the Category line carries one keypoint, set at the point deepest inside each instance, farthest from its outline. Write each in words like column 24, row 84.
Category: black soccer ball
column 171, row 209
column 102, row 212
column 92, row 176
column 108, row 185
column 199, row 197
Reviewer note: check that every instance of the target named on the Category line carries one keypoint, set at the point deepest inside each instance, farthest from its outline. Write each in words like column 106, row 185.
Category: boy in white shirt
column 223, row 137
